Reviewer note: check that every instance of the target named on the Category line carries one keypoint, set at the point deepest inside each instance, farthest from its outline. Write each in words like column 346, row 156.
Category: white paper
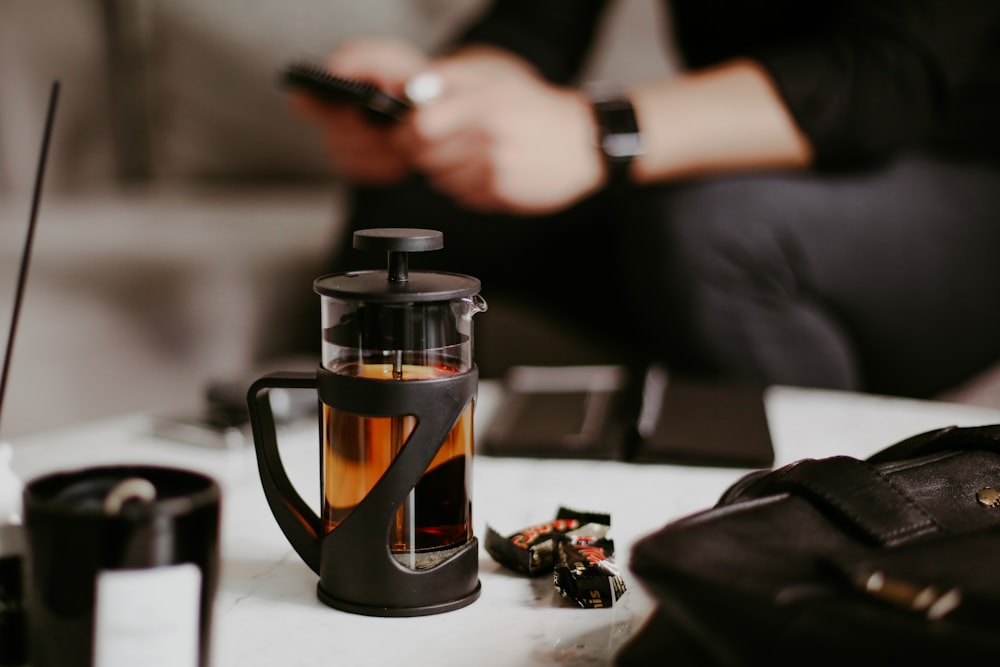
column 147, row 617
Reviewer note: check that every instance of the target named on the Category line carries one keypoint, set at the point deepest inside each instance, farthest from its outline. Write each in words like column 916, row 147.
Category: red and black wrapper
column 531, row 551
column 585, row 573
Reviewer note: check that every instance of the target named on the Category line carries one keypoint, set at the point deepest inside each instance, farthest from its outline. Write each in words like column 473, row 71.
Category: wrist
column 583, row 162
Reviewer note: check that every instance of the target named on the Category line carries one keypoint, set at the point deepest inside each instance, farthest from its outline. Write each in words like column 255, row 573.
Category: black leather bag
column 891, row 560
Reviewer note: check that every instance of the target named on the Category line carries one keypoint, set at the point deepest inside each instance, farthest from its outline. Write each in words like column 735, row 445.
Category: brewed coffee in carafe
column 403, row 342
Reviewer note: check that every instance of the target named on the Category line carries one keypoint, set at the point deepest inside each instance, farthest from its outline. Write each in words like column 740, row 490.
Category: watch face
column 621, row 146
column 620, row 140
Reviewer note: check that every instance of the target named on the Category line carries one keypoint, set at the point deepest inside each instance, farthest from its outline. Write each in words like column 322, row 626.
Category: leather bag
column 894, row 560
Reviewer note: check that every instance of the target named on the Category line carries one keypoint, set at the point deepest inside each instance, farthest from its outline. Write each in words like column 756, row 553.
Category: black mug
column 121, row 567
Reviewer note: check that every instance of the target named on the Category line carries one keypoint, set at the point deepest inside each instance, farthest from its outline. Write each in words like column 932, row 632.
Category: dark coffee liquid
column 442, row 515
column 357, row 451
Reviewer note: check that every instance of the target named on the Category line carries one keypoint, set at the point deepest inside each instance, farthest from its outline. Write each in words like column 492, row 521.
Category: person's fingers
column 454, row 113
column 469, row 185
column 453, row 150
column 360, row 150
column 385, row 62
column 320, row 111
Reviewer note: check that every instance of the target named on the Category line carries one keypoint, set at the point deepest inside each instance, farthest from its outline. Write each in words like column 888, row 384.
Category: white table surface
column 267, row 612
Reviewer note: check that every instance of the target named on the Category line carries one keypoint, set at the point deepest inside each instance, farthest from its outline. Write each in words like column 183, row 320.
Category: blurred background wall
column 186, row 208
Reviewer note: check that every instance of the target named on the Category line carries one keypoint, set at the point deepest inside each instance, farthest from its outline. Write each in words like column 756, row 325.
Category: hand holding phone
column 378, row 104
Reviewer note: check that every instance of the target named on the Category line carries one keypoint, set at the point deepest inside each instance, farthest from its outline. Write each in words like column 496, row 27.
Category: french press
column 396, row 389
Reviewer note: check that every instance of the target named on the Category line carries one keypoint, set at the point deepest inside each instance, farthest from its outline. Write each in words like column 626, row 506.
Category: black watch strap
column 618, row 137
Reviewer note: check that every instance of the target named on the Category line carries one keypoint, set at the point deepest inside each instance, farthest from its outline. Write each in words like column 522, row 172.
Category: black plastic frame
column 357, row 571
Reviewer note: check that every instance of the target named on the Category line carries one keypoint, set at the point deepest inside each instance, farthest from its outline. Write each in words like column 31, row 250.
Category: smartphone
column 224, row 420
column 214, row 431
column 377, row 104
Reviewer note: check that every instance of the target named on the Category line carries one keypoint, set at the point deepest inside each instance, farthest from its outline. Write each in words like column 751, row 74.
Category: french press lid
column 396, row 309
column 397, row 284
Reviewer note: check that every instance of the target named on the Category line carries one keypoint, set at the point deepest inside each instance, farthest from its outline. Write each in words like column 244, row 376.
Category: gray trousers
column 886, row 280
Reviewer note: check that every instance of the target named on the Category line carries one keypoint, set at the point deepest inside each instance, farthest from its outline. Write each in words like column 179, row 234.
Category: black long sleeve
column 884, row 76
column 865, row 79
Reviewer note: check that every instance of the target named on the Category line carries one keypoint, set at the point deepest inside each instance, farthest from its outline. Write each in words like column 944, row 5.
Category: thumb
column 385, row 62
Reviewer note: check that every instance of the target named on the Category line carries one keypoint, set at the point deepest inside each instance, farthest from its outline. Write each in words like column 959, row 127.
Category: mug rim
column 205, row 491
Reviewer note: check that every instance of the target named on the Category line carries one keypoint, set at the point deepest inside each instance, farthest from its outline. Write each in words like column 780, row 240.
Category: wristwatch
column 618, row 137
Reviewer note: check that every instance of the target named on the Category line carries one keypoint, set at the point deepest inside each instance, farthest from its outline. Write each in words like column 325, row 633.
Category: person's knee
column 716, row 241
column 735, row 282
column 732, row 234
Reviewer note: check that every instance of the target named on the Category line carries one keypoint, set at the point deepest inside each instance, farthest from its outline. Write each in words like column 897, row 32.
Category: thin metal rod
column 399, row 266
column 22, row 277
column 406, row 527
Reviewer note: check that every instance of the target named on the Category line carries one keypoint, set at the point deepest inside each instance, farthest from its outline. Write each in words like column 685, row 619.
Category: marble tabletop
column 266, row 609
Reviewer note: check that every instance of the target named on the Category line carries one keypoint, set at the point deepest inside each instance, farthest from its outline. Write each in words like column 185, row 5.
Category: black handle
column 295, row 517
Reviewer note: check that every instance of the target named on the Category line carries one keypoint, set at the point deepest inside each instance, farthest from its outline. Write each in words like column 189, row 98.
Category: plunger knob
column 397, row 243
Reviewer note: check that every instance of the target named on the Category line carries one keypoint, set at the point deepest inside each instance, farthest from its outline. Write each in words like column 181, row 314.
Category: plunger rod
column 399, row 266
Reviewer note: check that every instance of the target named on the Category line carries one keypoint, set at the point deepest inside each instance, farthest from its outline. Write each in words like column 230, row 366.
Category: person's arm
column 870, row 80
column 501, row 138
column 726, row 118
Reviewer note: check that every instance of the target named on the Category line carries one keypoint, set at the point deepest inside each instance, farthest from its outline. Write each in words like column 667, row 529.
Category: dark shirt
column 863, row 79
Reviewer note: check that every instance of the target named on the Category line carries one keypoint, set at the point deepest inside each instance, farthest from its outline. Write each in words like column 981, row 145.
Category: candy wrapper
column 584, row 571
column 531, row 551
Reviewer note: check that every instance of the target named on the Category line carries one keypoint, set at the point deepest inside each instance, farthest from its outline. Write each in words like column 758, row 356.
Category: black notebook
column 646, row 416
